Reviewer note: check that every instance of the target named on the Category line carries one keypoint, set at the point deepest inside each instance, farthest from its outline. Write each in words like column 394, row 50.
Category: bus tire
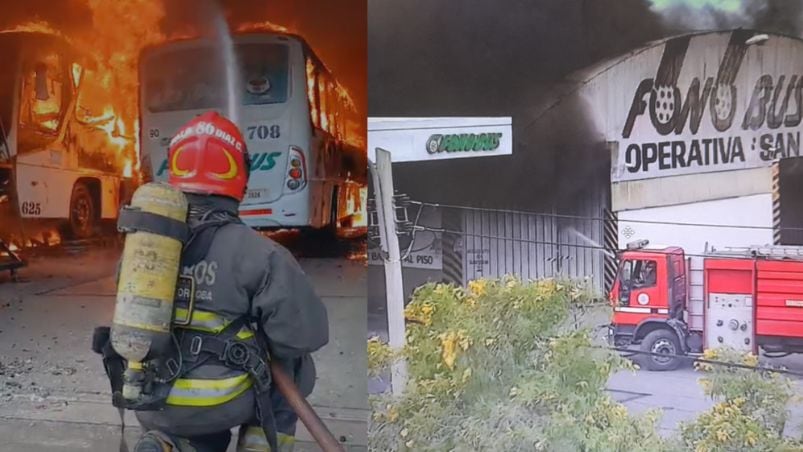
column 82, row 221
column 661, row 341
column 330, row 230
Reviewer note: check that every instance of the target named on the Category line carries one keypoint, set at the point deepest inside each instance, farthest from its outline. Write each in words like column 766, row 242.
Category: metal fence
column 578, row 242
column 480, row 243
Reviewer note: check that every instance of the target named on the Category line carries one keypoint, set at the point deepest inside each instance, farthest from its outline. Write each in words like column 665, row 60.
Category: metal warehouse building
column 691, row 141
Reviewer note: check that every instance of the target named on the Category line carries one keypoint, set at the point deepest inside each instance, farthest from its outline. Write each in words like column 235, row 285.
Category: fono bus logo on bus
column 464, row 142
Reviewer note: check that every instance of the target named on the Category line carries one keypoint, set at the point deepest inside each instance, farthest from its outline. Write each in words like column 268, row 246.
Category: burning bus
column 308, row 167
column 64, row 160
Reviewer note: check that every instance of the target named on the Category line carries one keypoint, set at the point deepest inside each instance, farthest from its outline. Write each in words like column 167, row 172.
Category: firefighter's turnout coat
column 246, row 282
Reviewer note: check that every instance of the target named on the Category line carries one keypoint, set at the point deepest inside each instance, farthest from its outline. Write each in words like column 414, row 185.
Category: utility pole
column 382, row 174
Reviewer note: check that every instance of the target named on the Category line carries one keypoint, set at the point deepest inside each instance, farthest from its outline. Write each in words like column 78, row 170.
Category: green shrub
column 751, row 409
column 502, row 366
column 498, row 366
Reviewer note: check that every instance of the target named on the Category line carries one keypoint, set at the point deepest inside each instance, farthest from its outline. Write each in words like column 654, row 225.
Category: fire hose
column 302, row 408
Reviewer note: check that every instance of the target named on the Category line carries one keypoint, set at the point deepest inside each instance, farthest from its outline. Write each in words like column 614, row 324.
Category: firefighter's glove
column 113, row 363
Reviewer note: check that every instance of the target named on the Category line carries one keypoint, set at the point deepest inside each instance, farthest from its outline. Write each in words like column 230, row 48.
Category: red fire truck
column 752, row 298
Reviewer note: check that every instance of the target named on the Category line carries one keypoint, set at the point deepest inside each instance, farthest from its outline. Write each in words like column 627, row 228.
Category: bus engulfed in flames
column 102, row 130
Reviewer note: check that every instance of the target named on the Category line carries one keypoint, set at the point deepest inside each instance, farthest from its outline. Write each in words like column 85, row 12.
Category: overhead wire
column 600, row 248
column 594, row 218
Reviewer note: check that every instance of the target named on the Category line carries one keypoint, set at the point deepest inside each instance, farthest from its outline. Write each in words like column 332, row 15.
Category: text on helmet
column 209, row 129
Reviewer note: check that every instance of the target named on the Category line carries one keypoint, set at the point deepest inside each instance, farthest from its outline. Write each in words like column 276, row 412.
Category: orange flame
column 107, row 94
column 108, row 86
column 128, row 170
column 312, row 92
column 261, row 26
column 35, row 27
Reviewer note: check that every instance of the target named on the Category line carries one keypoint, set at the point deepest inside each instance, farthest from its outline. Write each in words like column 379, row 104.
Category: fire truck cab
column 752, row 298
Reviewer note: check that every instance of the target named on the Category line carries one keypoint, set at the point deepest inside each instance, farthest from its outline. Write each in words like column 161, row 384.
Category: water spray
column 571, row 230
column 225, row 44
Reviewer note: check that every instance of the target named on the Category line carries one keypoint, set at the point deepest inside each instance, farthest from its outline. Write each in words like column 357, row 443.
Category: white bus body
column 278, row 117
column 57, row 165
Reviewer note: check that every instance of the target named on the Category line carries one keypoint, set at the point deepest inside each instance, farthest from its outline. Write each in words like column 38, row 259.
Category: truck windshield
column 191, row 79
column 639, row 273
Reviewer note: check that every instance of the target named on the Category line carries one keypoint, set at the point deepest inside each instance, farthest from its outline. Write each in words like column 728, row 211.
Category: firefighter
column 647, row 276
column 248, row 290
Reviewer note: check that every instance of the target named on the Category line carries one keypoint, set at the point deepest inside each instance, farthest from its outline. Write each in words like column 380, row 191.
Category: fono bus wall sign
column 705, row 103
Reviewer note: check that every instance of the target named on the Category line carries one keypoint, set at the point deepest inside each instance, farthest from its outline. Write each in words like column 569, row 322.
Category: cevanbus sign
column 464, row 142
column 424, row 139
column 682, row 117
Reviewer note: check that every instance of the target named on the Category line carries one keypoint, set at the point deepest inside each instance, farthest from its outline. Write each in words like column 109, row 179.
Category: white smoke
column 703, row 15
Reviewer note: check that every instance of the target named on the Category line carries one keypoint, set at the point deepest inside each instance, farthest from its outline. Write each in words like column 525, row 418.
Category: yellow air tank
column 147, row 279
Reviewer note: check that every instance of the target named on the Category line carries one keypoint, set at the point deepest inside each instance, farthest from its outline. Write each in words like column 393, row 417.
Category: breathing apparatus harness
column 191, row 349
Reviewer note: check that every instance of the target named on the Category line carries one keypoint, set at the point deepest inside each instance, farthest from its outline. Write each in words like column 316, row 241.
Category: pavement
column 54, row 395
column 680, row 397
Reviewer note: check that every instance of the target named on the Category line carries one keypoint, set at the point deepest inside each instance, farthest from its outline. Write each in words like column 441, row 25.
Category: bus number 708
column 263, row 132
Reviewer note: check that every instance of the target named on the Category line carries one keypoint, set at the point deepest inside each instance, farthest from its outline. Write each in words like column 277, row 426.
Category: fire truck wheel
column 83, row 216
column 660, row 341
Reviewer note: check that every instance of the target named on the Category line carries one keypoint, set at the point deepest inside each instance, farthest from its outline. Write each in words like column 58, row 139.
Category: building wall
column 566, row 241
column 711, row 114
column 733, row 222
column 693, row 126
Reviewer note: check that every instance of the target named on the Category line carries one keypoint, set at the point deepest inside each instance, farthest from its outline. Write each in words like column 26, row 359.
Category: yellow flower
column 464, row 340
column 751, row 438
column 478, row 287
column 711, row 354
column 448, row 348
column 450, row 342
column 393, row 414
column 750, row 360
column 421, row 313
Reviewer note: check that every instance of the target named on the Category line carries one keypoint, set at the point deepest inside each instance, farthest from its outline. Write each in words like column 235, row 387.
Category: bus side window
column 332, row 93
column 324, row 100
column 88, row 107
column 312, row 92
column 42, row 100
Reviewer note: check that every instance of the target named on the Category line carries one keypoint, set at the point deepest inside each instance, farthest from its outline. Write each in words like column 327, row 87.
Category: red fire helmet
column 208, row 156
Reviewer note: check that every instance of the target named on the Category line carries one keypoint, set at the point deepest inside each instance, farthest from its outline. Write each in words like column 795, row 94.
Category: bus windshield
column 191, row 79
column 8, row 76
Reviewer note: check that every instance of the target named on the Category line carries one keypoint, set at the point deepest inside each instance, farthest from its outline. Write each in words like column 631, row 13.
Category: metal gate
column 531, row 246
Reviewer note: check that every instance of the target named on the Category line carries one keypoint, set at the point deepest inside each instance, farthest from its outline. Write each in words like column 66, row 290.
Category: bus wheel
column 661, row 342
column 330, row 230
column 83, row 213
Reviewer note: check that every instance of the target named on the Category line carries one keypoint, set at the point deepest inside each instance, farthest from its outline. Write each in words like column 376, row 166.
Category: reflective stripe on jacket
column 205, row 392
